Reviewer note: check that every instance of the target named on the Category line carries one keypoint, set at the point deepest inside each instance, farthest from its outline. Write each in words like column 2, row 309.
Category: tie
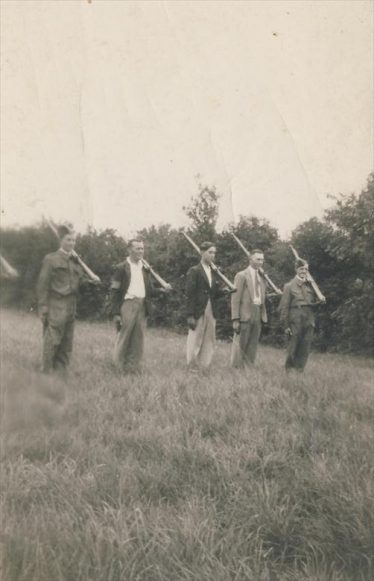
column 257, row 287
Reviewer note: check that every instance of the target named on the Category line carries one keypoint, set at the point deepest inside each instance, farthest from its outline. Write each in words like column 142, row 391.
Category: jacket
column 296, row 296
column 242, row 301
column 198, row 292
column 59, row 277
column 119, row 286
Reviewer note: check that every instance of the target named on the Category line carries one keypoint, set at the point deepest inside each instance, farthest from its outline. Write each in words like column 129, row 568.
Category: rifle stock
column 309, row 277
column 156, row 276
column 215, row 268
column 9, row 271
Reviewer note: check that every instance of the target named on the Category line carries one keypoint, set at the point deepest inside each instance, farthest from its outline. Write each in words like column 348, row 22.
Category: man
column 248, row 311
column 297, row 317
column 131, row 293
column 57, row 291
column 202, row 290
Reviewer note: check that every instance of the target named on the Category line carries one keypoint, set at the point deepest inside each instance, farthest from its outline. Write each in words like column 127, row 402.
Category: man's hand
column 44, row 318
column 228, row 291
column 117, row 322
column 191, row 322
column 166, row 289
column 236, row 327
column 288, row 332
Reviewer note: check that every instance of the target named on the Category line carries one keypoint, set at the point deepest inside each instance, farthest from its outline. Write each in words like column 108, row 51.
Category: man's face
column 68, row 242
column 209, row 255
column 136, row 251
column 302, row 271
column 257, row 260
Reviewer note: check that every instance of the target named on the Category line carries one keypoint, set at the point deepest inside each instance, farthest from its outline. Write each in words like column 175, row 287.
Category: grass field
column 170, row 476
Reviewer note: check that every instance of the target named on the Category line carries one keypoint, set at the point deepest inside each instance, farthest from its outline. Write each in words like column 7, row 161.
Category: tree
column 203, row 213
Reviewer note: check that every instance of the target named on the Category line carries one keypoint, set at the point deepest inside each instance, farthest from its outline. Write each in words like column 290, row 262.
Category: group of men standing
column 131, row 293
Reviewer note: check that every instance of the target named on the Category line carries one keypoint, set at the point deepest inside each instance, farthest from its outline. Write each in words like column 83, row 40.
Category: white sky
column 111, row 108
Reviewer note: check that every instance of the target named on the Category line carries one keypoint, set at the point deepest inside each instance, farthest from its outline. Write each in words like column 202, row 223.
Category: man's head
column 136, row 249
column 301, row 268
column 208, row 252
column 67, row 237
column 256, row 259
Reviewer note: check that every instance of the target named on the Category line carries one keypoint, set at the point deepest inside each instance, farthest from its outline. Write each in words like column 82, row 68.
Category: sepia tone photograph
column 187, row 290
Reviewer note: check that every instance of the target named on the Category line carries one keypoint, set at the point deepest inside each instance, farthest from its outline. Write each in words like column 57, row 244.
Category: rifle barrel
column 264, row 275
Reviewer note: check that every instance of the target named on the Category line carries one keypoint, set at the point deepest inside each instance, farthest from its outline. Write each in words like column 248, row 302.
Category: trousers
column 244, row 345
column 201, row 341
column 58, row 333
column 129, row 346
column 302, row 329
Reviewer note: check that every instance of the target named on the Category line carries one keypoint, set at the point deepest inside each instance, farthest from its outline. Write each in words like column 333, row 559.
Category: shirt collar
column 65, row 253
column 134, row 264
column 300, row 280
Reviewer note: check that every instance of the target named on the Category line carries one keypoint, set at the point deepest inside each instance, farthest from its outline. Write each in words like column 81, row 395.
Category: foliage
column 339, row 248
column 203, row 213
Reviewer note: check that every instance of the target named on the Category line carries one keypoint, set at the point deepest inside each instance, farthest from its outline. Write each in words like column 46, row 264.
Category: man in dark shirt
column 297, row 317
column 57, row 291
column 202, row 291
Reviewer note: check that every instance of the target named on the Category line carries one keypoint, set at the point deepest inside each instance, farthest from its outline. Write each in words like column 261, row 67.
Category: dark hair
column 257, row 251
column 206, row 245
column 131, row 242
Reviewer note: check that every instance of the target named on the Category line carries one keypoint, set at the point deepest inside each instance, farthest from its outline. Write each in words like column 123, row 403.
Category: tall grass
column 171, row 476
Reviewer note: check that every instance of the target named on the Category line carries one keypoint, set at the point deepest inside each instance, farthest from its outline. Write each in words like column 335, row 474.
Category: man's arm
column 115, row 297
column 237, row 297
column 284, row 306
column 43, row 287
column 191, row 288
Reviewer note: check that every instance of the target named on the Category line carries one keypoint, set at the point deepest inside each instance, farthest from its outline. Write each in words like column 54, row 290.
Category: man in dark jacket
column 131, row 293
column 57, row 291
column 297, row 317
column 202, row 290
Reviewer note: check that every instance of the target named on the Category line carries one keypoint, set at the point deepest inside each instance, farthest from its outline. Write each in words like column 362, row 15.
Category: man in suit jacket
column 202, row 290
column 297, row 317
column 131, row 293
column 248, row 310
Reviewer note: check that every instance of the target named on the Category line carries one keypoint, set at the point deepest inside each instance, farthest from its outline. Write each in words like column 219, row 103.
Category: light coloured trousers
column 244, row 345
column 128, row 350
column 201, row 341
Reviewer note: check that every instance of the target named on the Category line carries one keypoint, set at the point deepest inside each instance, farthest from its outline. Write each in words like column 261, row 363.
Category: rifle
column 9, row 271
column 309, row 277
column 156, row 276
column 86, row 269
column 212, row 265
column 261, row 271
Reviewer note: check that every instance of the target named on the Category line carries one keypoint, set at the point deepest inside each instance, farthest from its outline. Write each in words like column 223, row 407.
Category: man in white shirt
column 248, row 311
column 131, row 293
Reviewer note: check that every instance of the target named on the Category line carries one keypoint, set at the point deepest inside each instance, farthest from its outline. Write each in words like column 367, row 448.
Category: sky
column 113, row 111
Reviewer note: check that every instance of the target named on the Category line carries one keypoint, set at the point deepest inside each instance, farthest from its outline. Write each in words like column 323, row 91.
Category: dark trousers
column 58, row 333
column 300, row 342
column 245, row 344
column 128, row 350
